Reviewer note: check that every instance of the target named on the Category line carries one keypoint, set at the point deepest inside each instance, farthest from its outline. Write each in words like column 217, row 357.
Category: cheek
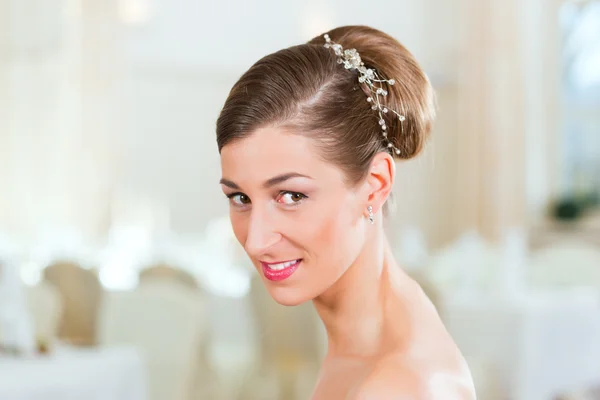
column 239, row 225
column 336, row 236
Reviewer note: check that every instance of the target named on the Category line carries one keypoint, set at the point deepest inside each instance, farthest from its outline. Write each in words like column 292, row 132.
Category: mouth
column 280, row 270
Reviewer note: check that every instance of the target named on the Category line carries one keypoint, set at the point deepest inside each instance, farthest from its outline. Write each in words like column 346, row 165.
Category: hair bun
column 411, row 94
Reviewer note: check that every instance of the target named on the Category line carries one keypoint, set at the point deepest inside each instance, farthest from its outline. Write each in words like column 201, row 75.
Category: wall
column 115, row 103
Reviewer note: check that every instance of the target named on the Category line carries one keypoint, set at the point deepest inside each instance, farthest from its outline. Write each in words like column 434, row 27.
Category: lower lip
column 281, row 274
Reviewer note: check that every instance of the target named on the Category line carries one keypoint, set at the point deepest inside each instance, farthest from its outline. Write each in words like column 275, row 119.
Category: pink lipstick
column 281, row 270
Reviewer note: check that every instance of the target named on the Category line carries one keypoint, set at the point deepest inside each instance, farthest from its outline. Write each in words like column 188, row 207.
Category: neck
column 363, row 311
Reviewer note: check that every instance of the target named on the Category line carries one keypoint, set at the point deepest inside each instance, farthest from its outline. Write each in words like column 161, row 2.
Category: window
column 580, row 26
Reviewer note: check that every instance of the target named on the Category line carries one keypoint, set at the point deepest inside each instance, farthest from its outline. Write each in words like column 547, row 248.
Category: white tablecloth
column 536, row 347
column 75, row 374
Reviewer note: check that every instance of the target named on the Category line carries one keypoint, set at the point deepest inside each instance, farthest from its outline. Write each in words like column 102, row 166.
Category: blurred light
column 127, row 251
column 134, row 239
column 413, row 248
column 134, row 12
column 216, row 267
column 9, row 250
column 227, row 282
column 582, row 25
column 31, row 273
column 60, row 243
column 118, row 277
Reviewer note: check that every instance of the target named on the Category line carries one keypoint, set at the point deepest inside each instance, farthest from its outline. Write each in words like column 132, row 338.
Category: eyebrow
column 268, row 183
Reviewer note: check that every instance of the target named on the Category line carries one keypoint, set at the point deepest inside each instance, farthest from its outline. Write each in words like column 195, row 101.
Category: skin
column 385, row 338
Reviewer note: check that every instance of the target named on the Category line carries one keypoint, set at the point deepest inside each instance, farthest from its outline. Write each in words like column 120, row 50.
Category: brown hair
column 303, row 88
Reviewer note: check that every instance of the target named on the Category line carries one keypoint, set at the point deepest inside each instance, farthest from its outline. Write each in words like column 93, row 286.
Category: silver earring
column 371, row 216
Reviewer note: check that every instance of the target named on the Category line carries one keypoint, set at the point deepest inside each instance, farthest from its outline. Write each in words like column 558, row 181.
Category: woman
column 308, row 138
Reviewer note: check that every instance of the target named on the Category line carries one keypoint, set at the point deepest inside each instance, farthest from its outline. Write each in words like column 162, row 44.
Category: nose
column 262, row 234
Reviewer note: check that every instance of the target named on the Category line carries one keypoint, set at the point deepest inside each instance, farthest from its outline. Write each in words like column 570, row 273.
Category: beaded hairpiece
column 368, row 76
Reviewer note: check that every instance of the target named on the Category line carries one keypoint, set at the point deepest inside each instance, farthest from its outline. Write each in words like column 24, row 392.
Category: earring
column 371, row 216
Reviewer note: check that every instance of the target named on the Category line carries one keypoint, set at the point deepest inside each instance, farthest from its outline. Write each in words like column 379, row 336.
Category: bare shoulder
column 393, row 379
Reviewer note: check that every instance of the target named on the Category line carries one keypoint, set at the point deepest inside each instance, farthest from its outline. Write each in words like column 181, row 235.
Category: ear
column 380, row 180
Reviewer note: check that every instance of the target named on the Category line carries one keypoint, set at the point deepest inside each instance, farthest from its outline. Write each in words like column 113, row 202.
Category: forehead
column 270, row 151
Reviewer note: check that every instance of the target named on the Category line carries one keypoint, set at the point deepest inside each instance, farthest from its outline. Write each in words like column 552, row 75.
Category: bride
column 308, row 138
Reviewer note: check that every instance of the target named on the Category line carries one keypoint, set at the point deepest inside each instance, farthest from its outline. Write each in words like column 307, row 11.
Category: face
column 299, row 222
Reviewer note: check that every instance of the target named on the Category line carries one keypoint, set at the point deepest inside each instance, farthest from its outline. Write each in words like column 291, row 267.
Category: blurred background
column 120, row 277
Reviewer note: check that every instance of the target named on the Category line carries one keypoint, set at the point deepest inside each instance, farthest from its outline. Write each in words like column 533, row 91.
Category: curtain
column 58, row 80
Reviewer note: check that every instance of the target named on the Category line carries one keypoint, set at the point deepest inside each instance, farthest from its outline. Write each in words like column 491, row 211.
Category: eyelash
column 281, row 193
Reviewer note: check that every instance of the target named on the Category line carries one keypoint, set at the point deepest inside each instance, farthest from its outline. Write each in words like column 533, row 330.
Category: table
column 75, row 374
column 537, row 347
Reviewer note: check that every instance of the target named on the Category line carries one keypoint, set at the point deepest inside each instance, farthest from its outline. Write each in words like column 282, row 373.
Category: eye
column 290, row 197
column 239, row 199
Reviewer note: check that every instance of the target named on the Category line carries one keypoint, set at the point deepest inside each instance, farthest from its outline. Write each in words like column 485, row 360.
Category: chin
column 288, row 296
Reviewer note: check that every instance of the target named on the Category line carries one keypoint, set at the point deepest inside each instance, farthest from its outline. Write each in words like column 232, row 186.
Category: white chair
column 80, row 293
column 166, row 322
column 165, row 272
column 45, row 307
